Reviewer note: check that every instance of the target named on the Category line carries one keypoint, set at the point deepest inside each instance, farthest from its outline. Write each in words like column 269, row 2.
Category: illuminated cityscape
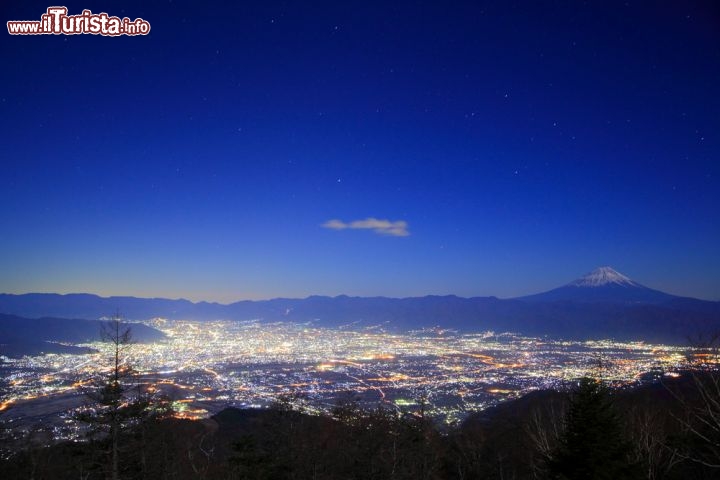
column 360, row 240
column 206, row 366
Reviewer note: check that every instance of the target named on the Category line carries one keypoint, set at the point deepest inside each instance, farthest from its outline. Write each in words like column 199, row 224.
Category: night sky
column 264, row 149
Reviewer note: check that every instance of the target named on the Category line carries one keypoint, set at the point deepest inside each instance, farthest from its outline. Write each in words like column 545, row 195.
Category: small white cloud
column 335, row 225
column 398, row 228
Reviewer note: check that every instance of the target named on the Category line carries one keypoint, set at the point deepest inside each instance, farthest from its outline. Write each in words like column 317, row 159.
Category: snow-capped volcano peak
column 604, row 285
column 604, row 276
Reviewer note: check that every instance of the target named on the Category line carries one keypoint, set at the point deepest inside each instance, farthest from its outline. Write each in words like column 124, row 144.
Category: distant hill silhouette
column 603, row 303
column 31, row 336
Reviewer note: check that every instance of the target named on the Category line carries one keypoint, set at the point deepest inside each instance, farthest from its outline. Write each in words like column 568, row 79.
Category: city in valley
column 204, row 367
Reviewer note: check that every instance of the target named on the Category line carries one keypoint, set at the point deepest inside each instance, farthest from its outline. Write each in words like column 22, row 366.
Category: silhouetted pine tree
column 114, row 410
column 593, row 446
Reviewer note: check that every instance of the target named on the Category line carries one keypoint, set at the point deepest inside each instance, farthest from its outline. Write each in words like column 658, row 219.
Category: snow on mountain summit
column 604, row 276
column 603, row 285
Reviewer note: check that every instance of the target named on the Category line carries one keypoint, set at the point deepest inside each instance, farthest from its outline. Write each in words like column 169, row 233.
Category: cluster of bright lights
column 205, row 366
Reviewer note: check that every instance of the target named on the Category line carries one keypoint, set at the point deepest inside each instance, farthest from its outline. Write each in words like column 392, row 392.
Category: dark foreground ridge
column 654, row 431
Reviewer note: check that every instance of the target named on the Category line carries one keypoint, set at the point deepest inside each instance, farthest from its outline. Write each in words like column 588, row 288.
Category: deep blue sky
column 524, row 143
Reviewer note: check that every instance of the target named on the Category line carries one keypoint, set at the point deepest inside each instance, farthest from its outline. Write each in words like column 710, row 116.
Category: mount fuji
column 604, row 284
